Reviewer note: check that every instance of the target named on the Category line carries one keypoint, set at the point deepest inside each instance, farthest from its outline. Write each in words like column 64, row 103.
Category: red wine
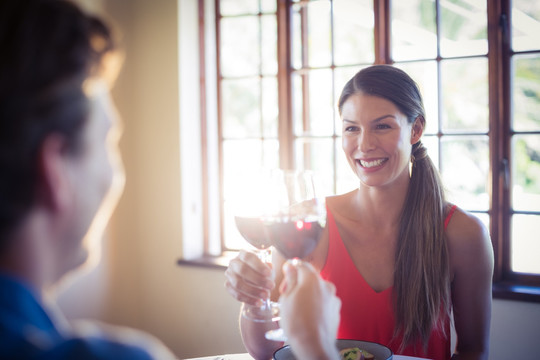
column 295, row 238
column 252, row 229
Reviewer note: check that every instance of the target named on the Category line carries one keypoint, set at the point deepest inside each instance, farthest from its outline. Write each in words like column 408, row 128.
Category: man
column 60, row 178
column 58, row 162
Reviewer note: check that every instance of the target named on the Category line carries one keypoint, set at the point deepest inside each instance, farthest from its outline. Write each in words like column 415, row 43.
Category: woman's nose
column 366, row 142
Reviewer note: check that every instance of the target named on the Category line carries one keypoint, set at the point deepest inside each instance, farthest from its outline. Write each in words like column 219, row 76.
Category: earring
column 411, row 164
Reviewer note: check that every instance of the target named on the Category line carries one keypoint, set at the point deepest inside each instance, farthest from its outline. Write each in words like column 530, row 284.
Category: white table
column 248, row 357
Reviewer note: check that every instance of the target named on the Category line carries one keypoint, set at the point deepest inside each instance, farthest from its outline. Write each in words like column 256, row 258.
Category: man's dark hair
column 48, row 48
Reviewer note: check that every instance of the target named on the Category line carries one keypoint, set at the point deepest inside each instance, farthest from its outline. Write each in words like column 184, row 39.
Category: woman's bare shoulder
column 468, row 239
column 464, row 226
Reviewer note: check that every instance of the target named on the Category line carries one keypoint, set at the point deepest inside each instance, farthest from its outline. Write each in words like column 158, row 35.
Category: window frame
column 506, row 284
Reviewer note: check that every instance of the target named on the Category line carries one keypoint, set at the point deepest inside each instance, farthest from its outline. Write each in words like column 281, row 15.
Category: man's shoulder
column 94, row 348
column 15, row 346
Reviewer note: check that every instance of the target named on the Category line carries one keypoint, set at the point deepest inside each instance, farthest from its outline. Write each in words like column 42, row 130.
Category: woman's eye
column 382, row 126
column 351, row 128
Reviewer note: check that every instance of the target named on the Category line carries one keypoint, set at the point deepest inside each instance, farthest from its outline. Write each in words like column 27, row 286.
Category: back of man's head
column 48, row 49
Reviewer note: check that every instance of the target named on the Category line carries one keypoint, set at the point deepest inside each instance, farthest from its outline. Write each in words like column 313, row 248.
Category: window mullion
column 381, row 9
column 499, row 99
column 285, row 125
column 305, row 74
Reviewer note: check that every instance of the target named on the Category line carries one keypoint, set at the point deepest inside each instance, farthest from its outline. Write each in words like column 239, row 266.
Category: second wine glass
column 296, row 220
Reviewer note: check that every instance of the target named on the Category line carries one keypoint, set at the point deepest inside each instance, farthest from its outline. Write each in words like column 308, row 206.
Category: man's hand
column 309, row 312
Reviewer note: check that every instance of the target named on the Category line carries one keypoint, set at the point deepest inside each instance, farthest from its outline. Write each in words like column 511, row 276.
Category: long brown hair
column 421, row 290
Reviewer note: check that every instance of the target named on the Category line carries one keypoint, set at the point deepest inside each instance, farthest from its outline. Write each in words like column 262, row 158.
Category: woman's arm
column 471, row 260
column 251, row 282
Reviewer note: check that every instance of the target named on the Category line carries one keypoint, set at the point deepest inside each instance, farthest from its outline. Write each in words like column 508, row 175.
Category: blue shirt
column 27, row 332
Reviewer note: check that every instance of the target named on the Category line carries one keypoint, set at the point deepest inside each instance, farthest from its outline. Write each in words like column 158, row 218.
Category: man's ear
column 417, row 129
column 54, row 184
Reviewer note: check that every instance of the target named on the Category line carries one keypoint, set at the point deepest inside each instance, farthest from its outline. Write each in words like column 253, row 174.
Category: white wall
column 139, row 283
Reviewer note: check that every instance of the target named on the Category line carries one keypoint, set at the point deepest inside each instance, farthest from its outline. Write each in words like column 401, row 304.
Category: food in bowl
column 355, row 353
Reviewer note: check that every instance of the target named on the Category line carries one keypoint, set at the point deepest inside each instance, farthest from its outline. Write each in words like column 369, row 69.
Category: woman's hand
column 249, row 280
column 310, row 312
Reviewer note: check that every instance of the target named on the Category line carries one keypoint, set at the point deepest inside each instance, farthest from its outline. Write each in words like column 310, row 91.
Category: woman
column 401, row 257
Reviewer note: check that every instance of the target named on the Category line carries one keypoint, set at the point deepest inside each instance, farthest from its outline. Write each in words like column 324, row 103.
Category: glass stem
column 266, row 257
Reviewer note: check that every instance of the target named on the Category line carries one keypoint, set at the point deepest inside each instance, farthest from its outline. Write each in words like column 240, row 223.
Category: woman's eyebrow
column 378, row 119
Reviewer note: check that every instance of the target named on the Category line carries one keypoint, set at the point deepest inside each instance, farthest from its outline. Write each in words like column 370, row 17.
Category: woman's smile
column 371, row 163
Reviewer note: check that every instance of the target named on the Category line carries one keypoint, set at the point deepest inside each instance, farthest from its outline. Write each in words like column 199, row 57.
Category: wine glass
column 296, row 219
column 251, row 203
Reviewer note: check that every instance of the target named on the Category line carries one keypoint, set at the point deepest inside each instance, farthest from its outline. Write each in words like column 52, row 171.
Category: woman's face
column 377, row 139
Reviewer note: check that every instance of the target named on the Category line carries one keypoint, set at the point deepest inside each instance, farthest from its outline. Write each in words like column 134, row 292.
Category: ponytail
column 422, row 274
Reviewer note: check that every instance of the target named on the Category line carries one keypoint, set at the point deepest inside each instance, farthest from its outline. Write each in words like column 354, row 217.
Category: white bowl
column 380, row 352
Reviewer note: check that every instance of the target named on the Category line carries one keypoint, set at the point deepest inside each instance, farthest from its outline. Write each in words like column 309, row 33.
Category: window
column 520, row 161
column 280, row 67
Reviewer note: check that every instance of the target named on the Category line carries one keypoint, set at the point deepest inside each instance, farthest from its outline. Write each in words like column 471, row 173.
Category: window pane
column 465, row 95
column 346, row 178
column 241, row 154
column 463, row 27
column 240, row 51
column 353, row 32
column 319, row 33
column 298, row 100
column 341, row 76
column 241, row 107
column 269, row 45
column 526, row 93
column 526, row 173
column 525, row 244
column 464, row 170
column 425, row 75
column 233, row 238
column 237, row 7
column 296, row 38
column 525, row 25
column 237, row 156
column 270, row 154
column 413, row 29
column 318, row 105
column 268, row 6
column 270, row 106
column 431, row 143
column 317, row 19
column 321, row 106
column 316, row 155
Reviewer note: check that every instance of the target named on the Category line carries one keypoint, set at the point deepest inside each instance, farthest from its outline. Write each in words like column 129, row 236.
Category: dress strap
column 449, row 216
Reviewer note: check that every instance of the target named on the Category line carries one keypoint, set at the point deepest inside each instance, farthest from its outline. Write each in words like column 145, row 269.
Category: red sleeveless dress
column 368, row 315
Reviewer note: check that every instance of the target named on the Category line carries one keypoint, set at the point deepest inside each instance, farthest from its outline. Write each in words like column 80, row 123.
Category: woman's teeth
column 369, row 164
